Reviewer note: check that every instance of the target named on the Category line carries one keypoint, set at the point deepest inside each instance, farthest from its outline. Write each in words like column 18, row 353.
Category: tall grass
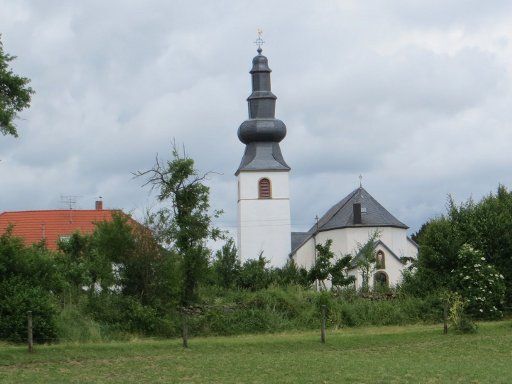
column 279, row 309
column 234, row 312
column 73, row 325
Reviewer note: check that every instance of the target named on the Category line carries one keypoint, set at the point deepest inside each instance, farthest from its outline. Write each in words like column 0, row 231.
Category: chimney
column 357, row 213
column 99, row 205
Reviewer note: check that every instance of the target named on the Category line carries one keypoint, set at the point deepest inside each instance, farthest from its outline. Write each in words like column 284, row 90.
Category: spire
column 262, row 124
column 262, row 132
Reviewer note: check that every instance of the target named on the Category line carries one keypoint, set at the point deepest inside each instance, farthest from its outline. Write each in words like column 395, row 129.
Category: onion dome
column 262, row 132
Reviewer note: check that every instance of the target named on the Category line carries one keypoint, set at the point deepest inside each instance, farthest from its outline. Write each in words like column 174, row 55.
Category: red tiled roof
column 33, row 226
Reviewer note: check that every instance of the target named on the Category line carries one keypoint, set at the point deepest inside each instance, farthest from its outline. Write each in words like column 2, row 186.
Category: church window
column 381, row 261
column 380, row 280
column 264, row 189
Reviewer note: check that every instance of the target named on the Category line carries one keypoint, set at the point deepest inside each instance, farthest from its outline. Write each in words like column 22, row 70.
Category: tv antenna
column 69, row 201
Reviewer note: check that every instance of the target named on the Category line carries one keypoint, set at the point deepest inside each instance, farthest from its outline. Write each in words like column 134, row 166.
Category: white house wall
column 264, row 224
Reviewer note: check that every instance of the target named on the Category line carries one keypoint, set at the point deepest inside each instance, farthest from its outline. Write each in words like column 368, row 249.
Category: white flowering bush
column 479, row 283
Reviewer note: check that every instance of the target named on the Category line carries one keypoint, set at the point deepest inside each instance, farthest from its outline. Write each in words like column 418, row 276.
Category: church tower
column 263, row 175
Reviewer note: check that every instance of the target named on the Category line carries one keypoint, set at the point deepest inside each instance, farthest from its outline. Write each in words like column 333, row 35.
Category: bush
column 479, row 284
column 123, row 314
column 17, row 298
column 254, row 274
column 294, row 308
column 459, row 319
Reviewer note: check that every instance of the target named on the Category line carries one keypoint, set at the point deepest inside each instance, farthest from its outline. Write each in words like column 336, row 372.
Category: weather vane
column 259, row 41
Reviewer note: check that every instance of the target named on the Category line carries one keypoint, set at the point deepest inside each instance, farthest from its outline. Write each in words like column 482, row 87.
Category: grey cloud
column 116, row 81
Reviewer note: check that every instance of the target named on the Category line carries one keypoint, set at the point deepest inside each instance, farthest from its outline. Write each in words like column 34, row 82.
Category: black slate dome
column 262, row 129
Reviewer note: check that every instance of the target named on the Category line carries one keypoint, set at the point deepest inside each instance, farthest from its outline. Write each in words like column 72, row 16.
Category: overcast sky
column 414, row 95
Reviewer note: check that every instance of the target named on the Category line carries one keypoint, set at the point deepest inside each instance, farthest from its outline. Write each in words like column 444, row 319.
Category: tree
column 186, row 224
column 254, row 274
column 366, row 259
column 28, row 280
column 291, row 274
column 339, row 277
column 485, row 225
column 324, row 270
column 227, row 265
column 15, row 94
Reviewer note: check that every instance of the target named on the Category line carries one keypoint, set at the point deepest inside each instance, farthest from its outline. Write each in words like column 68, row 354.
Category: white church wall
column 305, row 255
column 264, row 224
column 345, row 241
column 411, row 249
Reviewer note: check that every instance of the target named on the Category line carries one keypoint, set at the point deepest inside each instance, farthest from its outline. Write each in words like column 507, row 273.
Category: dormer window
column 264, row 189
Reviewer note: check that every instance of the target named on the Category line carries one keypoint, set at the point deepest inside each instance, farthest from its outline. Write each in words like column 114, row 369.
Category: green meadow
column 407, row 354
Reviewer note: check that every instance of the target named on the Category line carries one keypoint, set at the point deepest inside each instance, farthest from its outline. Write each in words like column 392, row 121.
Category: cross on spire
column 259, row 41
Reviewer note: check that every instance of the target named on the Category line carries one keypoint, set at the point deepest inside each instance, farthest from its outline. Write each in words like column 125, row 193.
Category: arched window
column 381, row 260
column 264, row 189
column 380, row 280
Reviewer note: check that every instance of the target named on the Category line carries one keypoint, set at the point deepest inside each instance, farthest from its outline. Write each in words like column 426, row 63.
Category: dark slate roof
column 298, row 238
column 262, row 156
column 341, row 215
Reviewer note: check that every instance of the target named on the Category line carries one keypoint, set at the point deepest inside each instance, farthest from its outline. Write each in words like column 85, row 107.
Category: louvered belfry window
column 264, row 191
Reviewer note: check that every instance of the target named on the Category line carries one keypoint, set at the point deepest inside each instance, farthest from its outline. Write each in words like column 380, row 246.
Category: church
column 264, row 223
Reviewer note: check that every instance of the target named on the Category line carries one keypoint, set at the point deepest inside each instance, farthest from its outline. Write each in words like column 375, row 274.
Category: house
column 53, row 225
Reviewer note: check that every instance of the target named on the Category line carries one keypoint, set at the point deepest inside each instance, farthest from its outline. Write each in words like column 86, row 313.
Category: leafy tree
column 485, row 225
column 149, row 272
column 366, row 259
column 15, row 94
column 339, row 277
column 324, row 270
column 185, row 224
column 74, row 264
column 291, row 274
column 254, row 274
column 17, row 297
column 440, row 242
column 28, row 280
column 226, row 265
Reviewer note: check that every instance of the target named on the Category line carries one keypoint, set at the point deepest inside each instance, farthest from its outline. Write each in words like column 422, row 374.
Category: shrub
column 254, row 274
column 479, row 284
column 123, row 314
column 459, row 319
column 17, row 297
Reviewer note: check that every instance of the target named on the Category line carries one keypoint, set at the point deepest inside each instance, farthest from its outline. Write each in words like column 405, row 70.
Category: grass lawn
column 411, row 354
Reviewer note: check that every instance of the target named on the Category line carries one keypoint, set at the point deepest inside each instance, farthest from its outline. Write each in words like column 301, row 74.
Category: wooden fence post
column 30, row 337
column 445, row 317
column 322, row 334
